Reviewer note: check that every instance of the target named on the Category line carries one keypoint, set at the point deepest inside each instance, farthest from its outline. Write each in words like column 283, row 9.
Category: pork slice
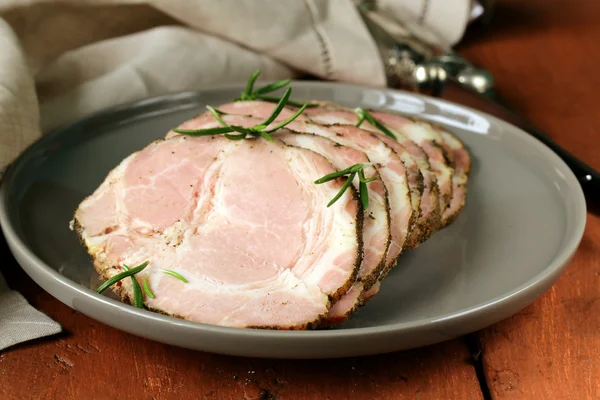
column 259, row 109
column 388, row 164
column 392, row 173
column 376, row 224
column 422, row 180
column 426, row 137
column 456, row 157
column 390, row 167
column 242, row 221
column 369, row 294
column 462, row 169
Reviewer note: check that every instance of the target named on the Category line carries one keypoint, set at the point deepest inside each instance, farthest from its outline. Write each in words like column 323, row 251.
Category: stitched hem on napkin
column 20, row 322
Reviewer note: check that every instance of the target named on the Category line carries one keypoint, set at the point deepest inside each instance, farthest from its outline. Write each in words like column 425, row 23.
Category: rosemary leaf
column 174, row 275
column 279, row 107
column 241, row 136
column 343, row 189
column 120, row 276
column 250, row 84
column 265, row 135
column 364, row 113
column 361, row 177
column 217, row 116
column 352, row 172
column 273, row 99
column 362, row 189
column 138, row 297
column 289, row 120
column 361, row 117
column 272, row 87
column 363, row 194
column 356, row 167
column 204, row 132
column 337, row 174
column 241, row 129
column 147, row 289
column 243, row 132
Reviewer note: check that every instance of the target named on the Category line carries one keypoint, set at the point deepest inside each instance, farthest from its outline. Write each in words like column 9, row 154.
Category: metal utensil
column 422, row 61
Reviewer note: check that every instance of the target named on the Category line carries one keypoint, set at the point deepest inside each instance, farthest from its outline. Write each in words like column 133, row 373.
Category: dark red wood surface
column 544, row 55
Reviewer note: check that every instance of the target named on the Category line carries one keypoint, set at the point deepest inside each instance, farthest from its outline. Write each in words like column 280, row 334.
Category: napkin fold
column 65, row 59
column 19, row 322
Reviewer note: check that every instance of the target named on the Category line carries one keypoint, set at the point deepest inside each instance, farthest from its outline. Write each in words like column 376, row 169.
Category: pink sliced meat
column 259, row 109
column 426, row 137
column 391, row 170
column 462, row 169
column 341, row 309
column 422, row 180
column 376, row 222
column 389, row 165
column 242, row 221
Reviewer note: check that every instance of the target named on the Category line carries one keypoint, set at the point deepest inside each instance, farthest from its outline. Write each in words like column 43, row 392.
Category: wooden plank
column 545, row 55
column 91, row 360
column 551, row 350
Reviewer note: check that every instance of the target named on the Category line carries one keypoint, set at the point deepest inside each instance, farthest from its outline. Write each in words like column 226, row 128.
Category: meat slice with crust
column 389, row 165
column 242, row 221
column 376, row 223
column 422, row 180
column 462, row 168
column 430, row 140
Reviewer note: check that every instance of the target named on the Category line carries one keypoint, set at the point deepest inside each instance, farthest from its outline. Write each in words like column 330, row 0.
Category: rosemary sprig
column 138, row 300
column 250, row 85
column 138, row 297
column 351, row 172
column 259, row 94
column 365, row 115
column 273, row 99
column 257, row 130
column 174, row 275
column 147, row 289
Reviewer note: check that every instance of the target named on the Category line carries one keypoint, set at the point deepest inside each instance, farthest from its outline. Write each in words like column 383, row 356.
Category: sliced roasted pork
column 376, row 222
column 422, row 180
column 391, row 170
column 427, row 216
column 389, row 165
column 259, row 109
column 462, row 168
column 241, row 221
column 430, row 140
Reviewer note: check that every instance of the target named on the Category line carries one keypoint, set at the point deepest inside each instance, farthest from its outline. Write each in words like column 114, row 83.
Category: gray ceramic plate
column 524, row 220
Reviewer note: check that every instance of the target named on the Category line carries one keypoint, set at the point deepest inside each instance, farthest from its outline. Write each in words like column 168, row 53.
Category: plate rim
column 544, row 278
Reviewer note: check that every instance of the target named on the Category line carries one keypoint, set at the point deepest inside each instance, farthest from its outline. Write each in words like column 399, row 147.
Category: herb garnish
column 351, row 172
column 138, row 298
column 257, row 130
column 175, row 275
column 147, row 289
column 259, row 94
column 137, row 292
column 365, row 115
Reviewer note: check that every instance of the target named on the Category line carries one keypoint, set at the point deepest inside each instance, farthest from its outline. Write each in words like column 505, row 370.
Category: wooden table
column 545, row 56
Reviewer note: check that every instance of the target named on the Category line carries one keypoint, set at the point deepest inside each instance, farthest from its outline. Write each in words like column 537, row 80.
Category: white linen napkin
column 63, row 60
